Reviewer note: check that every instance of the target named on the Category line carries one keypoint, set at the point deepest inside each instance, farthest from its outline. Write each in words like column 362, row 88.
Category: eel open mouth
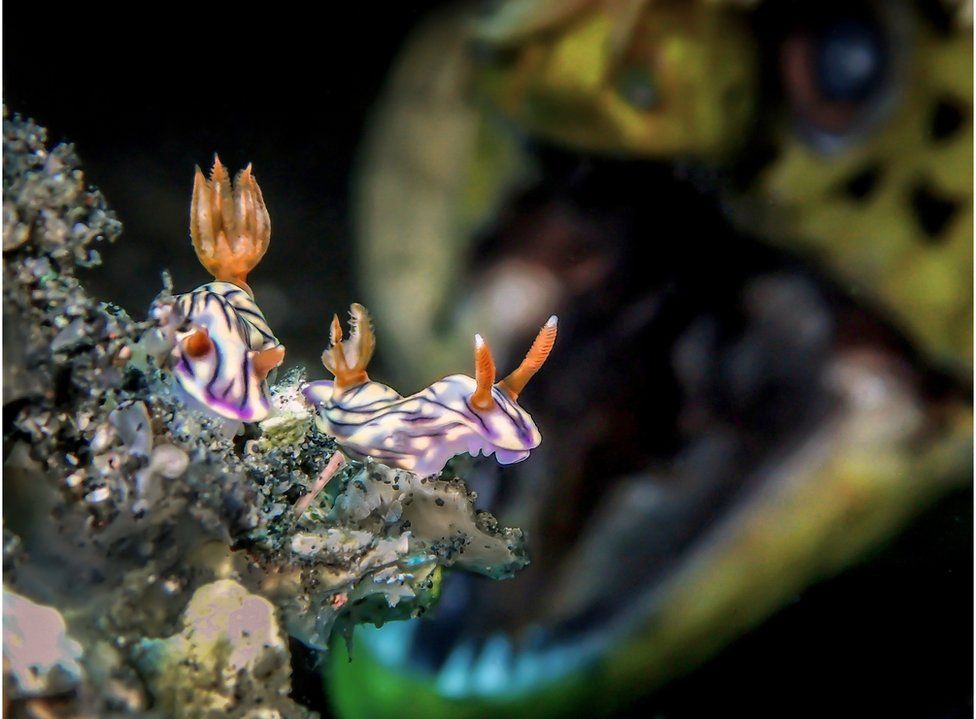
column 707, row 414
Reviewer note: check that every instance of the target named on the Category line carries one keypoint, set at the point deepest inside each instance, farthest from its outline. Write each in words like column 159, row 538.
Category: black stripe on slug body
column 264, row 337
column 188, row 303
column 439, row 434
column 258, row 322
column 247, row 332
column 339, row 423
column 380, row 414
column 349, row 396
column 228, row 388
column 473, row 413
column 355, row 391
column 454, row 411
column 367, row 408
column 242, row 315
column 375, row 416
column 249, row 311
column 247, row 385
column 516, row 420
column 411, row 416
column 218, row 361
column 198, row 304
column 223, row 308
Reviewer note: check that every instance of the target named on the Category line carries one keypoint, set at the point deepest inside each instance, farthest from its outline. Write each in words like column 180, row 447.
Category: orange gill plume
column 349, row 365
column 534, row 359
column 484, row 375
column 229, row 224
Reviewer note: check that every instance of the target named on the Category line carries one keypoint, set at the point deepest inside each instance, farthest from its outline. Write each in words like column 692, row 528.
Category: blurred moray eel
column 869, row 184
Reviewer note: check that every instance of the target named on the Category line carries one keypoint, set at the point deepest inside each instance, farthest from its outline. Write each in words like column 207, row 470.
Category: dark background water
column 148, row 92
column 145, row 97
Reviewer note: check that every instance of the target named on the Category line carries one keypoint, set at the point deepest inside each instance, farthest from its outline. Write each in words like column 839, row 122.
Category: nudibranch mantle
column 224, row 348
column 421, row 432
column 224, row 379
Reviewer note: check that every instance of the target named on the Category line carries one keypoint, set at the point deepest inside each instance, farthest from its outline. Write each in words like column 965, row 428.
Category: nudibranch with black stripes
column 224, row 348
column 420, row 433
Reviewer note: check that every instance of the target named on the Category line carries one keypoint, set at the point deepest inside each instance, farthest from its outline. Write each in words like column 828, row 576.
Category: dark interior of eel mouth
column 690, row 360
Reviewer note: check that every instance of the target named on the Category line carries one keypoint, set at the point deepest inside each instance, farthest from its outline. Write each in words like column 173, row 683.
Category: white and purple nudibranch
column 421, row 432
column 227, row 376
column 224, row 348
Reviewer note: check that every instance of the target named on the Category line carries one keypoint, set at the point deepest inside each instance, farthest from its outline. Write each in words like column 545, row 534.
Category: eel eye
column 838, row 74
column 198, row 344
column 850, row 61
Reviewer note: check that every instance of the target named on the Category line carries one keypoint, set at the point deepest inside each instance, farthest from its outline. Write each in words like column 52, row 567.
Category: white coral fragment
column 39, row 658
column 230, row 657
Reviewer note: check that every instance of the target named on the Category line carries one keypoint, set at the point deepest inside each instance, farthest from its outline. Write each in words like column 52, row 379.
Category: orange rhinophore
column 198, row 344
column 484, row 375
column 534, row 359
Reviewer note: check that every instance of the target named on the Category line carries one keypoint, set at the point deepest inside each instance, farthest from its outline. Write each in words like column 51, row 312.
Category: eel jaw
column 771, row 416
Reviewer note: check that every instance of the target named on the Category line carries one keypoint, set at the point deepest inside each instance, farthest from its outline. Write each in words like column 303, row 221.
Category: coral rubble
column 230, row 646
column 157, row 535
